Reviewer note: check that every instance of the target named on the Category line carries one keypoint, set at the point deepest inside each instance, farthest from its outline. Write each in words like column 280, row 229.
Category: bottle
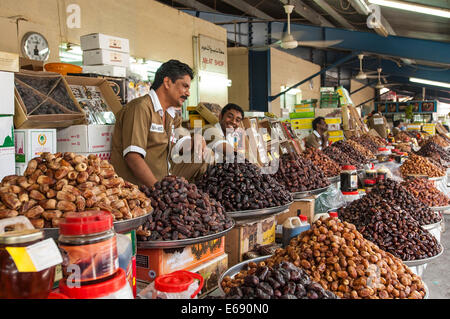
column 350, row 196
column 349, row 178
column 292, row 227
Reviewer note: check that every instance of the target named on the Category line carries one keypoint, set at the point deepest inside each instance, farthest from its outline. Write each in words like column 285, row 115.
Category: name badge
column 158, row 128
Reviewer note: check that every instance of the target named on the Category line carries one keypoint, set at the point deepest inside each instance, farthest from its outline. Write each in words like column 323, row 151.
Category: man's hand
column 140, row 169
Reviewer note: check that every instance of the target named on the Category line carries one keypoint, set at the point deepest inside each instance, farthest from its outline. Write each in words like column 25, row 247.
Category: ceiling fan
column 368, row 74
column 287, row 41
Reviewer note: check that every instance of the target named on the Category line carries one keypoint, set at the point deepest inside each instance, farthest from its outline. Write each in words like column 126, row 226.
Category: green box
column 302, row 115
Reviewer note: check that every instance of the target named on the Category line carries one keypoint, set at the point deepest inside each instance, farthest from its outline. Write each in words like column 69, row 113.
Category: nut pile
column 181, row 211
column 391, row 228
column 340, row 157
column 402, row 137
column 362, row 150
column 439, row 140
column 337, row 256
column 55, row 184
column 242, row 186
column 283, row 281
column 329, row 167
column 396, row 194
column 299, row 174
column 431, row 149
column 419, row 165
column 379, row 141
column 426, row 192
column 351, row 152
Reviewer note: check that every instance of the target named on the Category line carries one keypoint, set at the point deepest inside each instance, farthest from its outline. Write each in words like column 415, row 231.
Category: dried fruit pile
column 431, row 149
column 329, row 167
column 283, row 281
column 419, row 165
column 368, row 143
column 391, row 228
column 337, row 256
column 299, row 174
column 242, row 186
column 354, row 154
column 438, row 139
column 54, row 184
column 362, row 150
column 181, row 211
column 426, row 192
column 340, row 157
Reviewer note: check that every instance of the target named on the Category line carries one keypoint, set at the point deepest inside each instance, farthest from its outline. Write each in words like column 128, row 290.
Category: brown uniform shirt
column 313, row 141
column 140, row 128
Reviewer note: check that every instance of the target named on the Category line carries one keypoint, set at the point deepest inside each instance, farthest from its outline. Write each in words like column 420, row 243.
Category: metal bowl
column 246, row 214
column 413, row 263
column 440, row 209
column 165, row 244
column 300, row 195
column 334, row 179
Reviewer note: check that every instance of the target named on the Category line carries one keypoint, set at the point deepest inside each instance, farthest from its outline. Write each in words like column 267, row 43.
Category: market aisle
column 437, row 274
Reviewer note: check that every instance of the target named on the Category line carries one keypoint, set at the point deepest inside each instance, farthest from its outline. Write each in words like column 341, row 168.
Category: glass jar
column 349, row 178
column 371, row 174
column 89, row 246
column 383, row 154
column 22, row 285
column 381, row 174
column 369, row 184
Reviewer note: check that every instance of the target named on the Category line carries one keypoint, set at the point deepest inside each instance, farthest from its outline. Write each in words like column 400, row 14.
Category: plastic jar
column 349, row 178
column 350, row 196
column 177, row 285
column 381, row 174
column 371, row 174
column 117, row 287
column 383, row 154
column 22, row 285
column 369, row 184
column 333, row 214
column 294, row 226
column 89, row 247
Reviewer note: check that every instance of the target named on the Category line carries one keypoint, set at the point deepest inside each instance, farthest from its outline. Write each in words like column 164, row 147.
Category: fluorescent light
column 429, row 82
column 413, row 7
column 384, row 90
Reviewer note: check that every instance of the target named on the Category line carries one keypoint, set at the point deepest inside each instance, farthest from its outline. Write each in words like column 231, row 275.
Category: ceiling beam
column 248, row 9
column 361, row 7
column 329, row 9
column 198, row 6
column 308, row 13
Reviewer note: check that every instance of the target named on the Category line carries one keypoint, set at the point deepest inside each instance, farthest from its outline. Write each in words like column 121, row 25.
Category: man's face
column 231, row 119
column 322, row 126
column 179, row 91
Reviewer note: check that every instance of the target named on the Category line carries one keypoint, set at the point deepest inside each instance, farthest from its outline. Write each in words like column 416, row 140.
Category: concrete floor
column 437, row 274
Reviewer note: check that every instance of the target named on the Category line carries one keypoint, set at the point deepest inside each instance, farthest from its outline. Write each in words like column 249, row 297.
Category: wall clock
column 35, row 46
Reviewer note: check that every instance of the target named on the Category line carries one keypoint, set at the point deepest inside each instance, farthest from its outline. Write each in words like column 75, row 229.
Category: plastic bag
column 393, row 170
column 331, row 199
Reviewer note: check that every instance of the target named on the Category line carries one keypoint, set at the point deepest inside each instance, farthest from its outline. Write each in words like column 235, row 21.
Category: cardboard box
column 211, row 272
column 106, row 70
column 31, row 65
column 102, row 41
column 246, row 234
column 102, row 155
column 335, row 138
column 306, row 207
column 151, row 263
column 7, row 93
column 209, row 116
column 20, row 169
column 23, row 120
column 7, row 162
column 85, row 138
column 31, row 143
column 106, row 57
column 108, row 94
column 9, row 62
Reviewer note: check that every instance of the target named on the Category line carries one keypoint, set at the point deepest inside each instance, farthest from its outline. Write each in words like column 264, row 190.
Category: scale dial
column 35, row 46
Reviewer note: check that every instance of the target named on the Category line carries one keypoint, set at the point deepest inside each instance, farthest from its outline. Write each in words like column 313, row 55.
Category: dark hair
column 173, row 69
column 397, row 123
column 231, row 106
column 317, row 121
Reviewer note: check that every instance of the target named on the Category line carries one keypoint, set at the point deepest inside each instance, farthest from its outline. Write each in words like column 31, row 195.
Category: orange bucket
column 63, row 68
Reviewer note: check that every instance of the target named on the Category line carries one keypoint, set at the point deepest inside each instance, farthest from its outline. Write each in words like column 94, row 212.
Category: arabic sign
column 213, row 55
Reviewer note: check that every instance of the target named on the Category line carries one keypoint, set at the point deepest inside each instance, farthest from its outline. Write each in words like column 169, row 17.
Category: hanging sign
column 213, row 55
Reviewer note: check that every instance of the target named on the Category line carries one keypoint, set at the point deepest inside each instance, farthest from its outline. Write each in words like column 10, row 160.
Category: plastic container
column 293, row 226
column 382, row 174
column 89, row 246
column 369, row 184
column 371, row 174
column 177, row 285
column 318, row 216
column 22, row 285
column 333, row 214
column 117, row 287
column 62, row 68
column 124, row 251
column 350, row 196
column 349, row 178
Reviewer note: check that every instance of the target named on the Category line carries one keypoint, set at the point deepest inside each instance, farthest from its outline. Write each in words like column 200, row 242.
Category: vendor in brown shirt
column 319, row 137
column 144, row 133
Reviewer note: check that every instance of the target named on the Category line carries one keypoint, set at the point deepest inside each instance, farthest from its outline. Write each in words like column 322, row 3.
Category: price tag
column 266, row 137
column 37, row 257
column 378, row 121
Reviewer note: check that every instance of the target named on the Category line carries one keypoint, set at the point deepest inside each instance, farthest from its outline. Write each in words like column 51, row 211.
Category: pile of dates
column 346, row 148
column 366, row 142
column 242, row 186
column 396, row 194
column 391, row 228
column 362, row 150
column 425, row 191
column 337, row 256
column 340, row 157
column 181, row 211
column 283, row 281
column 299, row 174
column 419, row 165
column 329, row 167
column 442, row 141
column 56, row 184
column 431, row 149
